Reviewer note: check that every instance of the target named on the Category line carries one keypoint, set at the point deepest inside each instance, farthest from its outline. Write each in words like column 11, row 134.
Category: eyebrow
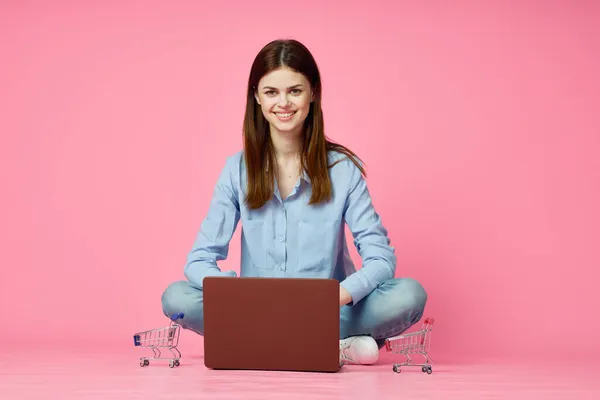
column 291, row 87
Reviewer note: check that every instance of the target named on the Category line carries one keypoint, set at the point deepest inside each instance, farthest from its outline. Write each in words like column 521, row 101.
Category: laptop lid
column 282, row 324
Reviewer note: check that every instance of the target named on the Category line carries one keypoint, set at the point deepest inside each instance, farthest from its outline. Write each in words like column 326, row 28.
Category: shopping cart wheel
column 177, row 363
column 172, row 363
column 429, row 370
column 396, row 369
column 424, row 369
column 144, row 363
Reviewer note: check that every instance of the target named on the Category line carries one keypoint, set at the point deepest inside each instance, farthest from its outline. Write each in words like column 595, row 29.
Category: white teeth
column 285, row 115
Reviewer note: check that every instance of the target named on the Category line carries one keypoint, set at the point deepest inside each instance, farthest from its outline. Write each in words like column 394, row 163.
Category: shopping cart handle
column 175, row 317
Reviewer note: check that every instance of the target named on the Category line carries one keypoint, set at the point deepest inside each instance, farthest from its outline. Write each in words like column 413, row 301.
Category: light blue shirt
column 289, row 238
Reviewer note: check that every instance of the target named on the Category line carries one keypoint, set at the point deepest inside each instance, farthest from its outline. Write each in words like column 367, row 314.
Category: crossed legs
column 390, row 309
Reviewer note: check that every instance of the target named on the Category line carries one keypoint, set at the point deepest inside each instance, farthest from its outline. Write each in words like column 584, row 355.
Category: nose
column 283, row 100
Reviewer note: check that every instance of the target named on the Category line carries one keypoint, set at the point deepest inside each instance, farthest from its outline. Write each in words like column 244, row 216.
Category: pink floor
column 63, row 375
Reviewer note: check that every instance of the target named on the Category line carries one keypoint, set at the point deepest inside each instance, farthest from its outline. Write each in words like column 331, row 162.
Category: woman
column 293, row 190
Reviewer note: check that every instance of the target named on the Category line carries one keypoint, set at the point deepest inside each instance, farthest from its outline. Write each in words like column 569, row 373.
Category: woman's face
column 284, row 96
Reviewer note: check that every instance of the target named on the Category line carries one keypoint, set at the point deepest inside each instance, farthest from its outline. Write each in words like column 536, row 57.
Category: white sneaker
column 359, row 350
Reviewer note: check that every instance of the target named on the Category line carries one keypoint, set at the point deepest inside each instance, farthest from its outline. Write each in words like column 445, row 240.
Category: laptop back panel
column 271, row 324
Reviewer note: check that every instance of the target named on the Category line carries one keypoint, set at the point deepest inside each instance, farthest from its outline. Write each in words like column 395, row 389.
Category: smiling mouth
column 285, row 115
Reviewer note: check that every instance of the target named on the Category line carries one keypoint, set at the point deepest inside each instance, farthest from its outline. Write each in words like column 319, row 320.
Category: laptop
column 282, row 324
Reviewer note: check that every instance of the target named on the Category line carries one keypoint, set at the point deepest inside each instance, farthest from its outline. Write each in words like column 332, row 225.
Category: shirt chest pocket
column 316, row 243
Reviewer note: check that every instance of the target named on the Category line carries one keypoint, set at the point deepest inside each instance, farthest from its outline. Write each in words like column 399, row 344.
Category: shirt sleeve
column 370, row 238
column 217, row 228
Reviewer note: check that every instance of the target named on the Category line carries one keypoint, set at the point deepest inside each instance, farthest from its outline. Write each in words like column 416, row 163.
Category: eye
column 270, row 92
column 296, row 91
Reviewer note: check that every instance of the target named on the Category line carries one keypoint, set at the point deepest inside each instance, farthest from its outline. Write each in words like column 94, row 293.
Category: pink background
column 478, row 122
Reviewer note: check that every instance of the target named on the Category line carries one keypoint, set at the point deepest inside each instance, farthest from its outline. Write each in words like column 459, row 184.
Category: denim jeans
column 390, row 309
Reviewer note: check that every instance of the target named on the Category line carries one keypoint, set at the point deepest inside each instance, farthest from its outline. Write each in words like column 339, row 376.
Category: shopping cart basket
column 416, row 343
column 161, row 338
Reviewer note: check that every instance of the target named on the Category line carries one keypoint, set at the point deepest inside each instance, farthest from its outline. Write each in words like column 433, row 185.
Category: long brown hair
column 258, row 150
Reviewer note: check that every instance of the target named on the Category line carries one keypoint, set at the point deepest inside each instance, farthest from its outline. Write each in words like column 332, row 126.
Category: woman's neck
column 286, row 146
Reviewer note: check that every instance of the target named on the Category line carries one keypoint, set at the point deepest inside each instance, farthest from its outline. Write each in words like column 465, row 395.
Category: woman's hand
column 345, row 297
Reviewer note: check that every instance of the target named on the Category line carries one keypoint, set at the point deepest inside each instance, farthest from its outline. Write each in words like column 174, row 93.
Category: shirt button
column 281, row 238
column 281, row 267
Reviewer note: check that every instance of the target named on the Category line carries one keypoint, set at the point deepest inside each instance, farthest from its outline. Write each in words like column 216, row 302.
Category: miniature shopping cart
column 410, row 344
column 161, row 338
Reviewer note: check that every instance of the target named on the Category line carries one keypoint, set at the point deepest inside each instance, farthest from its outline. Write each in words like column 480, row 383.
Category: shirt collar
column 305, row 176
